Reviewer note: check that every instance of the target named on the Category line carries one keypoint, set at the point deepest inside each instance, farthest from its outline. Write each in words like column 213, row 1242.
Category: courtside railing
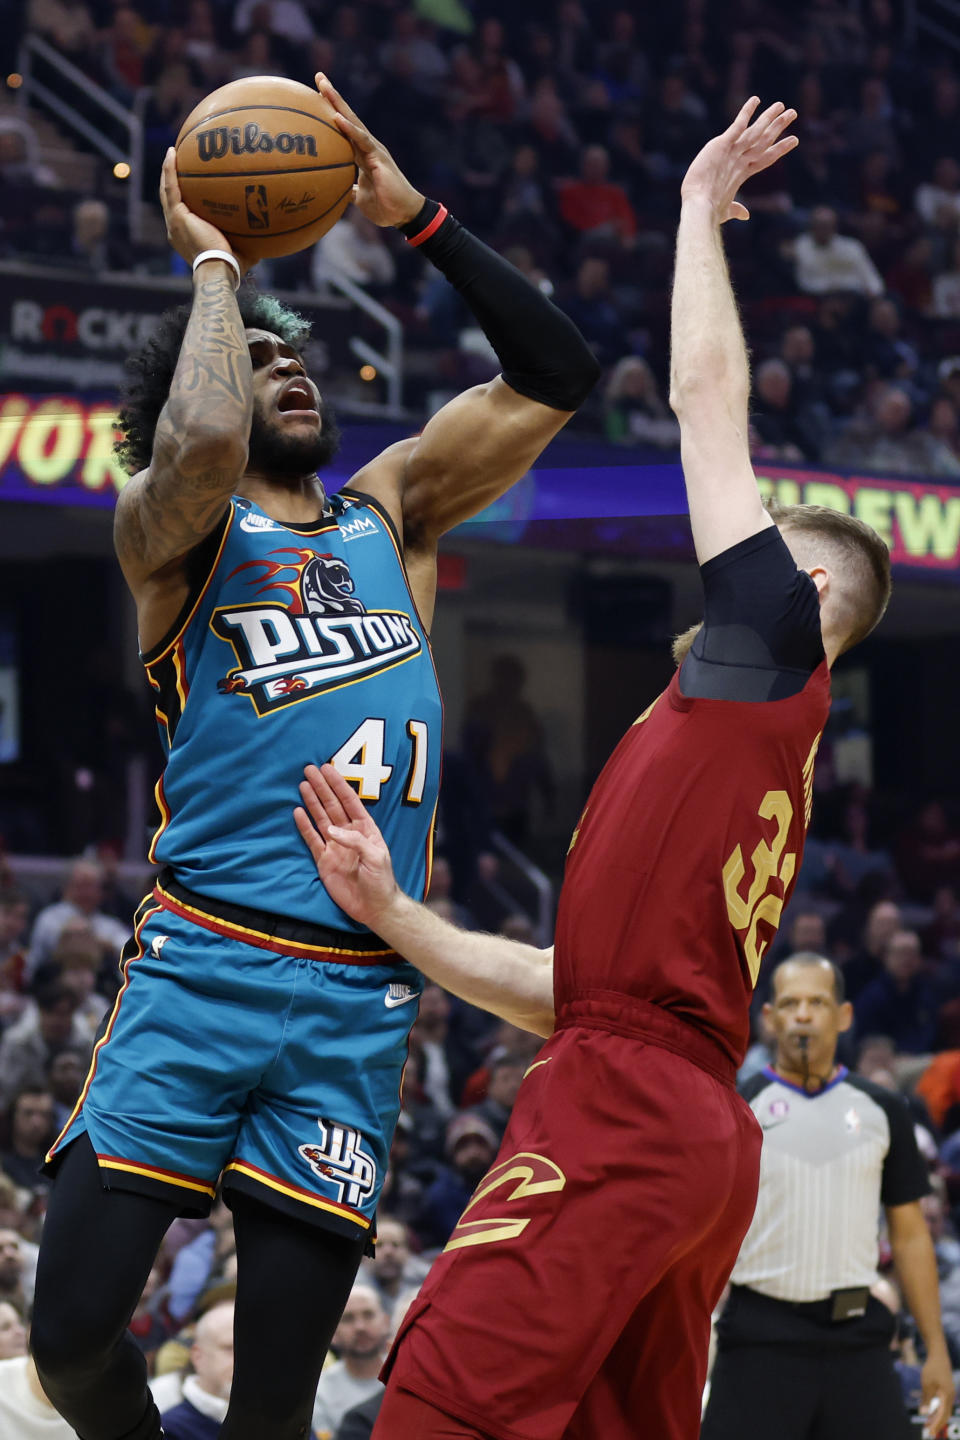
column 387, row 362
column 932, row 20
column 525, row 884
column 56, row 85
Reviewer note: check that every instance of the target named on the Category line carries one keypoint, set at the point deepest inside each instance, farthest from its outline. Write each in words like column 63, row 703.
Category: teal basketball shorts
column 270, row 1062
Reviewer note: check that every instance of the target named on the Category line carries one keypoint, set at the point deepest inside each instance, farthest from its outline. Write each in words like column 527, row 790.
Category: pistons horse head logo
column 314, row 584
column 326, row 587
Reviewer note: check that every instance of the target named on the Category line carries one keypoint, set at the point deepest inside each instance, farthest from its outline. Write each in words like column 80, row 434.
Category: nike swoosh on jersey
column 258, row 524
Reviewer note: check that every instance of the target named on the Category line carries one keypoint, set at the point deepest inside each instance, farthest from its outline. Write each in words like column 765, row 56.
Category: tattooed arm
column 200, row 445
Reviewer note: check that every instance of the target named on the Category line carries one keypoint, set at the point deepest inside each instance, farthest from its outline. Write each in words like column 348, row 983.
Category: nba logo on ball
column 258, row 214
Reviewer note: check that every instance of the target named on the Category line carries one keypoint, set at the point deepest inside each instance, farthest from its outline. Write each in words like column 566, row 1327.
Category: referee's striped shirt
column 829, row 1161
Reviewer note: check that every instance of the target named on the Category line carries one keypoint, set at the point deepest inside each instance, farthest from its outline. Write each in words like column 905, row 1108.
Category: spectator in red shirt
column 126, row 43
column 14, row 915
column 594, row 202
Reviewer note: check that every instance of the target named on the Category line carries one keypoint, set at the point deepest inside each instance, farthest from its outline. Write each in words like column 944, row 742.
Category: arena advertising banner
column 66, row 332
column 59, row 449
column 63, row 331
column 919, row 519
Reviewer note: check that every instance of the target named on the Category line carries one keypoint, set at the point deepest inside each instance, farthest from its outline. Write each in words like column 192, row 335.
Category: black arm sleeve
column 760, row 638
column 542, row 352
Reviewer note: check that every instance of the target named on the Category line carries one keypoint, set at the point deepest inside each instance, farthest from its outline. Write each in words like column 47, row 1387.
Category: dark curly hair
column 150, row 369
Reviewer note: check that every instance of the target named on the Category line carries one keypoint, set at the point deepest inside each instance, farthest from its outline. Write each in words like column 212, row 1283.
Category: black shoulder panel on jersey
column 905, row 1175
column 891, row 1102
column 751, row 1088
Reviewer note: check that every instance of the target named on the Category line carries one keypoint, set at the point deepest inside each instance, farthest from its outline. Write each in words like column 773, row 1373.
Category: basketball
column 263, row 160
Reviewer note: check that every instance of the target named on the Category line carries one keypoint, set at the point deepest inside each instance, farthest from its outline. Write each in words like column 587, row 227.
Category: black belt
column 847, row 1304
column 273, row 927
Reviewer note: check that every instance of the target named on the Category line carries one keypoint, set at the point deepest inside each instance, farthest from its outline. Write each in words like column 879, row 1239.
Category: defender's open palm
column 727, row 162
column 351, row 855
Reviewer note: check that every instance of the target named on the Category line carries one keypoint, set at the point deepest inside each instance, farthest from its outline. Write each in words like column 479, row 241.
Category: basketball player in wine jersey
column 259, row 1038
column 574, row 1296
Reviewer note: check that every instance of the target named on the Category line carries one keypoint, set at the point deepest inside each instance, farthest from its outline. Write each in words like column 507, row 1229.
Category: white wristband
column 219, row 255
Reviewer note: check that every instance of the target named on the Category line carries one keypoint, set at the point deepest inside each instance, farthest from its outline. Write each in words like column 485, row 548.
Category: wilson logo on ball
column 250, row 139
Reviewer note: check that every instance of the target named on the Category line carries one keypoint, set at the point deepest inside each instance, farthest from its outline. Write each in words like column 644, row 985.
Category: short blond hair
column 862, row 561
column 680, row 646
column 861, row 567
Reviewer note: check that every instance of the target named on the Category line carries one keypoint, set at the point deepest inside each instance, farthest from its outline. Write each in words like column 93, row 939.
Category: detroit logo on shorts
column 321, row 637
column 341, row 1159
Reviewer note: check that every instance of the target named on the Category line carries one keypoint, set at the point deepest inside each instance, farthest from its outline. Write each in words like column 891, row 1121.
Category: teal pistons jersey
column 298, row 645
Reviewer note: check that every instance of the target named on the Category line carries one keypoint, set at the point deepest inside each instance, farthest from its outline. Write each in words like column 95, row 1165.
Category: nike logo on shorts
column 399, row 995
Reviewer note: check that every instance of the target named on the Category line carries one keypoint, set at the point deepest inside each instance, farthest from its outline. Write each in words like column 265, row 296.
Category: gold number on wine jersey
column 533, row 1174
column 808, row 780
column 645, row 715
column 770, row 864
column 576, row 834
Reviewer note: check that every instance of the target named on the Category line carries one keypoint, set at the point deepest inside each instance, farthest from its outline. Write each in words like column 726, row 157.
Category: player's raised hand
column 348, row 849
column 188, row 233
column 382, row 192
column 744, row 149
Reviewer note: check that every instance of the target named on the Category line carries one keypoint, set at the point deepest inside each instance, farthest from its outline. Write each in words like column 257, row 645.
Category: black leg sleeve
column 542, row 352
column 96, row 1252
column 293, row 1280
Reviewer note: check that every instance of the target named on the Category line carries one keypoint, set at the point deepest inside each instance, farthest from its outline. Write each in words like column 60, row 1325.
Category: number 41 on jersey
column 360, row 760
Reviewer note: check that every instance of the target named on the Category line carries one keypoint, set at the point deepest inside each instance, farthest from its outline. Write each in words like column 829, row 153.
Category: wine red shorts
column 574, row 1297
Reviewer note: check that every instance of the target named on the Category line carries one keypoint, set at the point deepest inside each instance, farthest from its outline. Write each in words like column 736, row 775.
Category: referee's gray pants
column 787, row 1372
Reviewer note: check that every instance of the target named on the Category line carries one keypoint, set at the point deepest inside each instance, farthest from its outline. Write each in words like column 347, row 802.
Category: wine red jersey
column 687, row 851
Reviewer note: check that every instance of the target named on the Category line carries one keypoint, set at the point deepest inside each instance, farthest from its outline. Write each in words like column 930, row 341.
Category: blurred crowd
column 560, row 133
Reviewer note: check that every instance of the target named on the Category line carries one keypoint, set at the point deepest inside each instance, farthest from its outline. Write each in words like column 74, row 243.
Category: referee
column 803, row 1348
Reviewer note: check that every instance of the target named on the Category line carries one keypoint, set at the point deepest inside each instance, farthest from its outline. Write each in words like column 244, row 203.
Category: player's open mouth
column 297, row 398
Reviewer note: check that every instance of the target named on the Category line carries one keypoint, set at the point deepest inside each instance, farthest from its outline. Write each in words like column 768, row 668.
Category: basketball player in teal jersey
column 260, row 1033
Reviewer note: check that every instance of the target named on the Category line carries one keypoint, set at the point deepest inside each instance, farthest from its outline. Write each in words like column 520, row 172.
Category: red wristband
column 430, row 229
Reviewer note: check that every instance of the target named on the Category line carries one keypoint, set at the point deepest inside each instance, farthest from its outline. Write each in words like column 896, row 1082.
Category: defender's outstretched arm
column 511, row 980
column 709, row 371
